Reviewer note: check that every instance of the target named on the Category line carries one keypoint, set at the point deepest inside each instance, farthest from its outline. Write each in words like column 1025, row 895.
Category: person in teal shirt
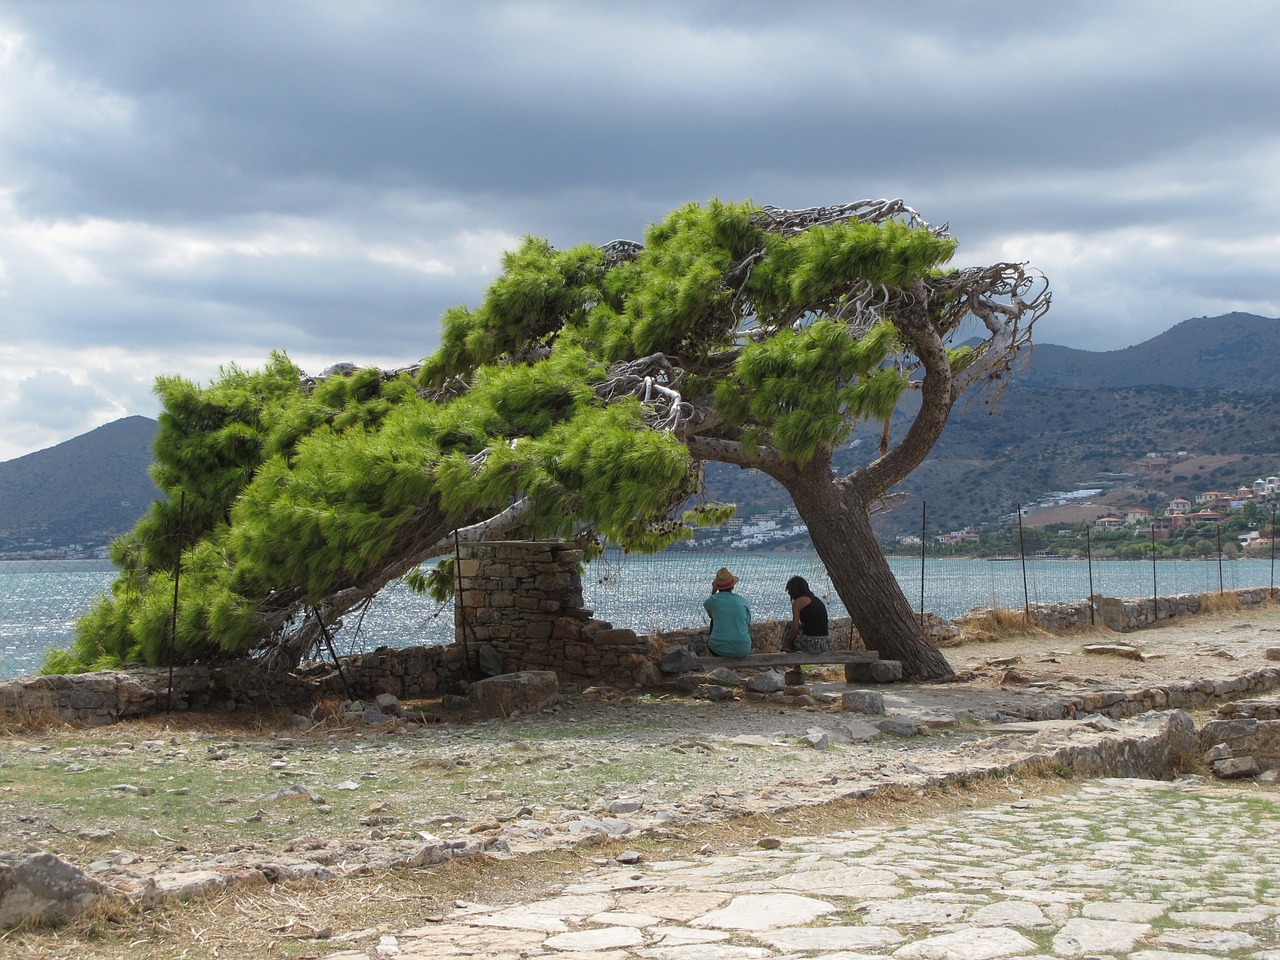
column 730, row 618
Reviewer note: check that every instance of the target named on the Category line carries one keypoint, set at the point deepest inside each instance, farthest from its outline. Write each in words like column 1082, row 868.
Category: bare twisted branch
column 787, row 222
column 1007, row 299
column 655, row 381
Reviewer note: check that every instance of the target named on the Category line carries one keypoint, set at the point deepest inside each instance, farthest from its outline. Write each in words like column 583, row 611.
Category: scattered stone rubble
column 1245, row 740
column 44, row 888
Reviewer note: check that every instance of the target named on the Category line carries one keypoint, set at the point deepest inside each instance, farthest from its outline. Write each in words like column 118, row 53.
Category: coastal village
column 1211, row 506
column 783, row 528
column 1246, row 512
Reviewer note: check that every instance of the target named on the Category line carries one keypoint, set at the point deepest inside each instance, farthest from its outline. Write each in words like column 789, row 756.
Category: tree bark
column 840, row 527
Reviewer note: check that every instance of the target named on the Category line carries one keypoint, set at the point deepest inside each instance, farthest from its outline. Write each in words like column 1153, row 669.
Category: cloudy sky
column 187, row 184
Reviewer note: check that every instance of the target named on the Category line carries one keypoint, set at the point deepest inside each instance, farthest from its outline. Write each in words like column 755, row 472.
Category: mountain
column 1193, row 409
column 84, row 491
column 1196, row 408
column 1237, row 351
column 1139, row 446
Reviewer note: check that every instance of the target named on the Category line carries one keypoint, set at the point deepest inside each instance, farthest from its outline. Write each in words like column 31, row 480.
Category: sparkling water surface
column 40, row 600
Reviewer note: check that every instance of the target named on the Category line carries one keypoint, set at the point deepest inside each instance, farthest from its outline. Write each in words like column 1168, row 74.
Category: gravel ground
column 204, row 792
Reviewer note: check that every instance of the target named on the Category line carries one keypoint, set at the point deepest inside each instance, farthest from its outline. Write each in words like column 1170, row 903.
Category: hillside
column 84, row 491
column 1043, row 439
column 1209, row 387
column 1237, row 351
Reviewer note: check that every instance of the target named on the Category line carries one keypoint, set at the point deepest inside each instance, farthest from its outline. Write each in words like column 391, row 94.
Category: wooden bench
column 860, row 666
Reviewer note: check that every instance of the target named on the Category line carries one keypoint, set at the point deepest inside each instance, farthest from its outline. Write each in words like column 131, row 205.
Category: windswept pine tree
column 581, row 398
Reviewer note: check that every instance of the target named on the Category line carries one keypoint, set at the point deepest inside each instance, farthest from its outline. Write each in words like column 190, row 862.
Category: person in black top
column 808, row 631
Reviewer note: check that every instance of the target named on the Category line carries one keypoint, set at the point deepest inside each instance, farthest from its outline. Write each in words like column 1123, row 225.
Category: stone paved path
column 1121, row 868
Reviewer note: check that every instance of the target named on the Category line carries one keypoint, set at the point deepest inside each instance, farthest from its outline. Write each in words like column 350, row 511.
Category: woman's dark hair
column 798, row 587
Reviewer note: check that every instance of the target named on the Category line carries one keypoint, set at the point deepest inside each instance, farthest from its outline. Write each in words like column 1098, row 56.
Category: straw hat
column 724, row 579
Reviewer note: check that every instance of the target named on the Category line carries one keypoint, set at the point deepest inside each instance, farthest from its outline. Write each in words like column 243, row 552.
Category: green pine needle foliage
column 804, row 390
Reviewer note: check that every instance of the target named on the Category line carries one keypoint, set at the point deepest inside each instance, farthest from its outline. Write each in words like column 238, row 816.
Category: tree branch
column 936, row 399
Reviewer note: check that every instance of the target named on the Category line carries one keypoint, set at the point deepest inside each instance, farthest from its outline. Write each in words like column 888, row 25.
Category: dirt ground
column 187, row 791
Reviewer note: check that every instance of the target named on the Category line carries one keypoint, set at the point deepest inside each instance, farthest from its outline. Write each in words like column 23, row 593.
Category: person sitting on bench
column 808, row 632
column 730, row 618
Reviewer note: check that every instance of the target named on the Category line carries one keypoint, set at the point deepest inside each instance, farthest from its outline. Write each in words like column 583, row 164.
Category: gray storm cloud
column 184, row 185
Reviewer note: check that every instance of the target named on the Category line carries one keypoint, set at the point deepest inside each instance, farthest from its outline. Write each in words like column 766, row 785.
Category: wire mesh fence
column 41, row 599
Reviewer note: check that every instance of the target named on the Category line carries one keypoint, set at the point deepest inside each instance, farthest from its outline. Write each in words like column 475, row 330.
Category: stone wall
column 1121, row 615
column 108, row 696
column 1250, row 729
column 520, row 608
column 1194, row 694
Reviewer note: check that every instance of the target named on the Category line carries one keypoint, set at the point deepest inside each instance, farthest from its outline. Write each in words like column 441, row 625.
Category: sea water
column 41, row 600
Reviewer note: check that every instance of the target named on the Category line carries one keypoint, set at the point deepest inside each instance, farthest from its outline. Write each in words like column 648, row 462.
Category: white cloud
column 182, row 190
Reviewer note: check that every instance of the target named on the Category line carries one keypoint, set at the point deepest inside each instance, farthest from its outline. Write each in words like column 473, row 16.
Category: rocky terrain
column 193, row 806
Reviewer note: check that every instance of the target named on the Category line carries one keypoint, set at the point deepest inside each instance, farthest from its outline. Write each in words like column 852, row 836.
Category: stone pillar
column 512, row 589
column 519, row 606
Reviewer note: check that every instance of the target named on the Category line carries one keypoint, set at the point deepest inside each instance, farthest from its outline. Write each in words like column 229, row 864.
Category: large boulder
column 489, row 660
column 876, row 671
column 41, row 888
column 770, row 681
column 678, row 659
column 526, row 691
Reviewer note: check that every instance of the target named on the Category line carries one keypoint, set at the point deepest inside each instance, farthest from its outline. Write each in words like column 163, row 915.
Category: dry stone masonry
column 520, row 605
column 1120, row 615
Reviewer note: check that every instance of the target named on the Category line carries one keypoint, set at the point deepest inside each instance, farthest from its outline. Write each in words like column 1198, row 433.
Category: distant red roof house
column 1179, row 505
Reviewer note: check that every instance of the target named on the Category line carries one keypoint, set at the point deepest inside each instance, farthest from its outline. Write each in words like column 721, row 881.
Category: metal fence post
column 1022, row 551
column 1088, row 553
column 923, row 538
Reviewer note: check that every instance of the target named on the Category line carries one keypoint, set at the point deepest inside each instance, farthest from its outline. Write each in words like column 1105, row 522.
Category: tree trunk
column 840, row 527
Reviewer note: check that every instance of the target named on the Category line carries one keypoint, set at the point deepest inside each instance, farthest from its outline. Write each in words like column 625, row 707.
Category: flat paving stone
column 1009, row 913
column 620, row 919
column 764, row 912
column 1131, row 911
column 601, row 938
column 671, row 906
column 798, row 939
column 913, row 912
column 459, row 940
column 706, row 951
column 977, row 943
column 1221, row 919
column 1082, row 936
column 674, row 936
column 1220, row 941
column 858, row 882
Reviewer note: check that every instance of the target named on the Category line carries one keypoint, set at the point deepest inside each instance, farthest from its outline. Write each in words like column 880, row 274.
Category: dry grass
column 998, row 624
column 45, row 720
column 28, row 717
column 1228, row 602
